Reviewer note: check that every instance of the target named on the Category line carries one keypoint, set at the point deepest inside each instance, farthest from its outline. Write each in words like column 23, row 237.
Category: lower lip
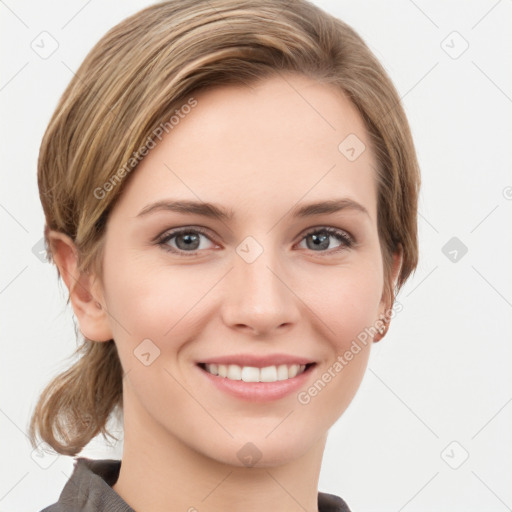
column 259, row 391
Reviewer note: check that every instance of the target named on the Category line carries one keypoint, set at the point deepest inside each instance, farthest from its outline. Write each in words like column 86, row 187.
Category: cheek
column 347, row 310
column 147, row 300
column 345, row 300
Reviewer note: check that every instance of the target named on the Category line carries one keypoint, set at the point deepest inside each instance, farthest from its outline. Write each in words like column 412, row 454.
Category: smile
column 255, row 378
column 254, row 374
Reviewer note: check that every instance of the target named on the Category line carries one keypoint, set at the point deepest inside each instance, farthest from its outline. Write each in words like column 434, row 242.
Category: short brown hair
column 131, row 82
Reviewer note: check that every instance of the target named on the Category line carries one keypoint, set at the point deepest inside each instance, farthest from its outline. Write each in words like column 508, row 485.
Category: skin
column 261, row 152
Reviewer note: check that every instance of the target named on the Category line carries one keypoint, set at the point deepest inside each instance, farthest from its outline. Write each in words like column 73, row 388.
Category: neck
column 160, row 473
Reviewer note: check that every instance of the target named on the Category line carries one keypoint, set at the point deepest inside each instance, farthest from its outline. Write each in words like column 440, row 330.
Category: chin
column 260, row 452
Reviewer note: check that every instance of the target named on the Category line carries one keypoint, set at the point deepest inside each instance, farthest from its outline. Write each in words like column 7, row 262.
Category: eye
column 184, row 240
column 188, row 240
column 319, row 239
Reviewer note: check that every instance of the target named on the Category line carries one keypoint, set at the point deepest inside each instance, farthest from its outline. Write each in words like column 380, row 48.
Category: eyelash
column 347, row 242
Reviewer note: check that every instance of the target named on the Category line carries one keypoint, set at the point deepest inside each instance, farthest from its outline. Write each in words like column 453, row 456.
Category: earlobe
column 85, row 295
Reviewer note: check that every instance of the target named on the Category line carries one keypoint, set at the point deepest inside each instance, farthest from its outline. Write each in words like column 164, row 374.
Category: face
column 260, row 290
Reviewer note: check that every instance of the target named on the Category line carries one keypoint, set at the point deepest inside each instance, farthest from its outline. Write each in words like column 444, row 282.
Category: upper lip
column 258, row 361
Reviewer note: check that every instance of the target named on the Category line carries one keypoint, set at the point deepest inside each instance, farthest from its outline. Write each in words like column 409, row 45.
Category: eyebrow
column 218, row 212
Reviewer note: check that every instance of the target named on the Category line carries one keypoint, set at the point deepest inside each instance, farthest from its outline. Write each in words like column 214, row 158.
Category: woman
column 230, row 191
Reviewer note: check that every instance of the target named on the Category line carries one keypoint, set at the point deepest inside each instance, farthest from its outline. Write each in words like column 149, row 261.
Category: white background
column 443, row 372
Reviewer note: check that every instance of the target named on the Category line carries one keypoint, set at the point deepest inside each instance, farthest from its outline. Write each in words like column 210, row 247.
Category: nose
column 258, row 297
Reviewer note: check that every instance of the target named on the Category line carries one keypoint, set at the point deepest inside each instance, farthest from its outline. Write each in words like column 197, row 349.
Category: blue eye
column 320, row 238
column 187, row 241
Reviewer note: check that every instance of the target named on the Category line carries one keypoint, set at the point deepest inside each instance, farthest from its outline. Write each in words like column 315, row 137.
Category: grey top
column 89, row 490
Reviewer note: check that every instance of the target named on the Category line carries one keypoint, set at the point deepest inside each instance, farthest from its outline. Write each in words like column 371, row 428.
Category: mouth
column 272, row 373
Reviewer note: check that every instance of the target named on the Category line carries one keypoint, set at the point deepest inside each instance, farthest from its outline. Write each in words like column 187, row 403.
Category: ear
column 85, row 292
column 387, row 301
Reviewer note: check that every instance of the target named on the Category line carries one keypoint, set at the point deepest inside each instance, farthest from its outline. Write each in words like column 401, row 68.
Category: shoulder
column 89, row 488
column 330, row 503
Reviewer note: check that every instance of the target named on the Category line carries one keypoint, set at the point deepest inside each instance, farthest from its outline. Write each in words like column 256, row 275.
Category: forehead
column 268, row 146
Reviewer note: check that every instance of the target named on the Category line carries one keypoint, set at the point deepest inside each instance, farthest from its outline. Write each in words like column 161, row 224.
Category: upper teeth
column 253, row 374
